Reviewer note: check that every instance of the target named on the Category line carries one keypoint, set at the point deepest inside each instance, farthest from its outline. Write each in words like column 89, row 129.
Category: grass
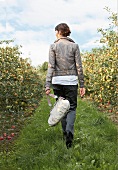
column 40, row 147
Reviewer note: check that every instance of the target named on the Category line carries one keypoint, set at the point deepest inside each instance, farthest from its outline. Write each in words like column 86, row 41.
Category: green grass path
column 40, row 147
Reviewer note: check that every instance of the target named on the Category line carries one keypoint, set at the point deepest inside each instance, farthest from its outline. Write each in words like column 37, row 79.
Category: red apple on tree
column 12, row 134
column 4, row 134
column 1, row 138
column 9, row 137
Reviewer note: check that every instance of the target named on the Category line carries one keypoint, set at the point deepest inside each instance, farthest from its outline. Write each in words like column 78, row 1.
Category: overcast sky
column 31, row 23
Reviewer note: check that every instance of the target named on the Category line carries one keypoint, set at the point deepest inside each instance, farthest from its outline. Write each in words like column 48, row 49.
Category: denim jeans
column 69, row 92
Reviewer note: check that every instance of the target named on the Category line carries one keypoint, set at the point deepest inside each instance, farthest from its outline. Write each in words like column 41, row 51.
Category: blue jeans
column 69, row 92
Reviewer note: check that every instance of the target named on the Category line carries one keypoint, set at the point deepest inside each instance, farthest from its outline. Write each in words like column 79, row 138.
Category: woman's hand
column 47, row 91
column 82, row 91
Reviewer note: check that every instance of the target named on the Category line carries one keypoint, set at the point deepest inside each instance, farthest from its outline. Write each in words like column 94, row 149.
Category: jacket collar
column 69, row 39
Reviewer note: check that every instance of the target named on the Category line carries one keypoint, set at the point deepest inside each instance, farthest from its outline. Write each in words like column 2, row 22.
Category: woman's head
column 63, row 30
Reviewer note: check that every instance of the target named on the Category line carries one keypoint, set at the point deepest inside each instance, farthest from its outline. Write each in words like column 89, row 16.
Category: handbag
column 59, row 110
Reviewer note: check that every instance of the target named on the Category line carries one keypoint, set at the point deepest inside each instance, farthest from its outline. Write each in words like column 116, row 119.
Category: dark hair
column 64, row 29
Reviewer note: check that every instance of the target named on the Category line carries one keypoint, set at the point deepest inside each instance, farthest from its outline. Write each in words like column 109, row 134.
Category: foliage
column 100, row 68
column 42, row 70
column 20, row 89
column 43, row 67
column 20, row 83
column 42, row 147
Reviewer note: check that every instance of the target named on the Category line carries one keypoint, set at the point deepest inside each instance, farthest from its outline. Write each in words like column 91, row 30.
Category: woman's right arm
column 79, row 66
column 80, row 71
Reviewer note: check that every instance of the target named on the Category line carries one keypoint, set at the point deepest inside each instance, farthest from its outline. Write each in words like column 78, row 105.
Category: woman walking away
column 64, row 71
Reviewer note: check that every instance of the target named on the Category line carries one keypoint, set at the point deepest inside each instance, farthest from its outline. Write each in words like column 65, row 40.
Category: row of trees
column 100, row 68
column 20, row 90
column 20, row 84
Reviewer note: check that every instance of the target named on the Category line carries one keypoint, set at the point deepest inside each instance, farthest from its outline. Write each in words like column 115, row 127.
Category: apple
column 9, row 137
column 1, row 138
column 110, row 111
column 4, row 134
column 12, row 134
column 13, row 126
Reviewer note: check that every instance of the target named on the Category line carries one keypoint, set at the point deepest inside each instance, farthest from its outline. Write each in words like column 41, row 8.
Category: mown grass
column 40, row 147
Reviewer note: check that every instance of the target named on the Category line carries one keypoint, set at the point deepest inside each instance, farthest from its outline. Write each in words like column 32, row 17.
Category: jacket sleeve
column 51, row 66
column 79, row 66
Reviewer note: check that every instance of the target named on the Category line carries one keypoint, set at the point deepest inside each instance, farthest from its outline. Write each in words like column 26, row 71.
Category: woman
column 64, row 71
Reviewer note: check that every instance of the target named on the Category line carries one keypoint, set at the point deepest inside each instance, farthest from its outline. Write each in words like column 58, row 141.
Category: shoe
column 69, row 139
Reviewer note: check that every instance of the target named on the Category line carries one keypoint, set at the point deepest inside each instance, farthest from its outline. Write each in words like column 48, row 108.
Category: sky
column 31, row 23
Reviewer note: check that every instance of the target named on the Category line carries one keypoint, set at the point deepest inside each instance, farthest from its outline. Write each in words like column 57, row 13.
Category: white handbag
column 59, row 110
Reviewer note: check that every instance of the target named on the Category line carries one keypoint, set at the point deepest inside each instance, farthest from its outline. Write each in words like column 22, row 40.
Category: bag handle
column 51, row 95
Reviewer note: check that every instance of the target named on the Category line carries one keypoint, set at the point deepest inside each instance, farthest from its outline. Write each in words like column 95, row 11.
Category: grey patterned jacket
column 64, row 59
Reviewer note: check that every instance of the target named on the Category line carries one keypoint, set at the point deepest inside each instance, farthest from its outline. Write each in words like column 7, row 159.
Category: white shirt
column 65, row 80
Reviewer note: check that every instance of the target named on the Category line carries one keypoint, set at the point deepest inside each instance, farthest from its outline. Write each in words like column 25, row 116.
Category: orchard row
column 20, row 90
column 100, row 69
